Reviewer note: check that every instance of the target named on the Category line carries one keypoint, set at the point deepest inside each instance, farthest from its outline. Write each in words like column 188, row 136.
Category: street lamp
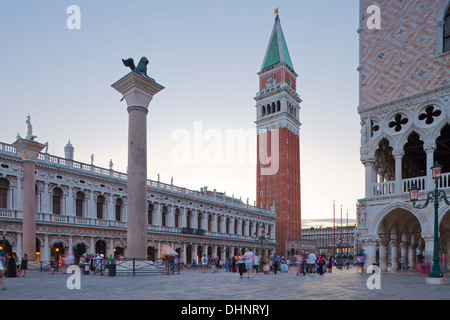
column 263, row 237
column 435, row 196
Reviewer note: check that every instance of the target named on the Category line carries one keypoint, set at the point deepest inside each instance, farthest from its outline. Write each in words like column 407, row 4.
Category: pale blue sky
column 206, row 54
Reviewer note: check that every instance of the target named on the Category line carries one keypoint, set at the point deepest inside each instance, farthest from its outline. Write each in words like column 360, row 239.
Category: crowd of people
column 11, row 267
column 304, row 263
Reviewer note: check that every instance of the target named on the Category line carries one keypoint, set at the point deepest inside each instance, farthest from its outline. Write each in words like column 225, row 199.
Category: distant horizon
column 326, row 222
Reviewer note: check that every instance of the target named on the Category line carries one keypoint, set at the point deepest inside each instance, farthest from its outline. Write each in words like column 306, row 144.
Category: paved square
column 195, row 285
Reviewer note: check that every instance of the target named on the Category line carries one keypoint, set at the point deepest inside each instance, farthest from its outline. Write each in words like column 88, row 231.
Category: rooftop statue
column 29, row 129
column 141, row 67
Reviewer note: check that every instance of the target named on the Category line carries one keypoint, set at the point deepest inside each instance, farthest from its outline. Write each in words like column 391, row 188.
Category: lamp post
column 263, row 237
column 436, row 195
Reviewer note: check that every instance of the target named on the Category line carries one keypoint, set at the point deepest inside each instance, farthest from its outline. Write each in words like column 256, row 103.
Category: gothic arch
column 374, row 145
column 379, row 220
column 423, row 136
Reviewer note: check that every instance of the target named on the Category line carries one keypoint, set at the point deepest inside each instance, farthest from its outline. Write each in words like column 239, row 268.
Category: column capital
column 28, row 149
column 398, row 153
column 137, row 89
column 429, row 147
column 368, row 161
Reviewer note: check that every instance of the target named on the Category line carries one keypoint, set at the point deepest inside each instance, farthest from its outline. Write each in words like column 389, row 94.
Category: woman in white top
column 249, row 260
column 241, row 263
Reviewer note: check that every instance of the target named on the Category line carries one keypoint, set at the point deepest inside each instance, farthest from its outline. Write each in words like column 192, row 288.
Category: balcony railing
column 85, row 221
column 388, row 188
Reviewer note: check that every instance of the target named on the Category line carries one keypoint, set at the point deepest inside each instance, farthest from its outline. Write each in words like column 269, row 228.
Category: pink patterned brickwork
column 400, row 59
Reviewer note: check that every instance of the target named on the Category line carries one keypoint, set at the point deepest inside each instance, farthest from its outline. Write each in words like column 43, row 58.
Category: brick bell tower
column 278, row 129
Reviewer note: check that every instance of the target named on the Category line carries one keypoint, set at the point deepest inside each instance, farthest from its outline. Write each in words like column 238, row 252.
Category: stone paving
column 195, row 285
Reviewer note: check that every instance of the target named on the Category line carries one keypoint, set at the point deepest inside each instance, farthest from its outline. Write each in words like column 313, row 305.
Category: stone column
column 368, row 164
column 394, row 254
column 138, row 90
column 412, row 257
column 429, row 150
column 398, row 156
column 29, row 151
column 45, row 256
column 383, row 254
column 369, row 248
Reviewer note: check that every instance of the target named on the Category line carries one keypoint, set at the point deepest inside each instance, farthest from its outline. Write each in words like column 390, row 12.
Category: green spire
column 277, row 50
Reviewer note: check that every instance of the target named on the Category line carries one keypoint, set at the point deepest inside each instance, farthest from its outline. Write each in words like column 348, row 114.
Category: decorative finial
column 276, row 11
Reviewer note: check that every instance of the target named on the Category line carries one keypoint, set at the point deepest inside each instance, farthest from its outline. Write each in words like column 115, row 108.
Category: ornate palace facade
column 83, row 208
column 405, row 128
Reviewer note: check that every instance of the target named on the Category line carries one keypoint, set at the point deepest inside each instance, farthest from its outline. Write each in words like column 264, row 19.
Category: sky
column 206, row 54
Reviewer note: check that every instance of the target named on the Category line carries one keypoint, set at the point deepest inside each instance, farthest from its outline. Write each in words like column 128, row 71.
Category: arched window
column 56, row 201
column 79, row 201
column 100, row 203
column 414, row 160
column 447, row 31
column 273, row 107
column 150, row 214
column 199, row 222
column 263, row 111
column 177, row 217
column 4, row 185
column 188, row 219
column 219, row 220
column 210, row 219
column 268, row 109
column 164, row 216
column 442, row 153
column 278, row 105
column 119, row 204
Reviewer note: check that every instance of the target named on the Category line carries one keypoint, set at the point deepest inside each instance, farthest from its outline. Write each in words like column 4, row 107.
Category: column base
column 435, row 281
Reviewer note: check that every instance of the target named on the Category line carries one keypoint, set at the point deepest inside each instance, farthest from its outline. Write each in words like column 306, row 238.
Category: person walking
column 330, row 264
column 311, row 262
column 300, row 260
column 11, row 266
column 266, row 265
column 275, row 264
column 256, row 263
column 320, row 264
column 241, row 263
column 204, row 263
column 23, row 265
column 2, row 269
column 249, row 262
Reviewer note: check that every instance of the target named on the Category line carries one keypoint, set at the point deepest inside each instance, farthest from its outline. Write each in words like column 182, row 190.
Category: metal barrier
column 130, row 266
column 137, row 266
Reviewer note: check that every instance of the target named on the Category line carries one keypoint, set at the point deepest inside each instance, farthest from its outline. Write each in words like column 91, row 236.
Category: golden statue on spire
column 276, row 11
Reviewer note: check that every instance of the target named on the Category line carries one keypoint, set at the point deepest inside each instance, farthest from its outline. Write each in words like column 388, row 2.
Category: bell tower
column 278, row 143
